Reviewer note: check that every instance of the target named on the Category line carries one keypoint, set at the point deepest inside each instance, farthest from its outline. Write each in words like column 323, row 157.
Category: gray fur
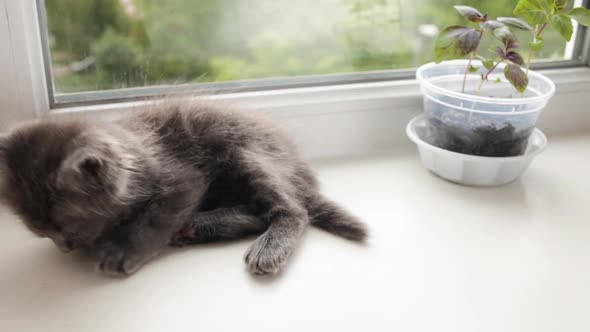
column 175, row 174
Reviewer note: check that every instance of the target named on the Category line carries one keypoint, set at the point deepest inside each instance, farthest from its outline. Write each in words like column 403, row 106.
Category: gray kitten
column 174, row 174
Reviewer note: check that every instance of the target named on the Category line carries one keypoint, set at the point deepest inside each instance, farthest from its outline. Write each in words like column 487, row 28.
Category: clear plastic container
column 495, row 122
column 473, row 170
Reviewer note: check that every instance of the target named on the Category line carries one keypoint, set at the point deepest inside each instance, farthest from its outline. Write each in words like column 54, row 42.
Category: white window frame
column 325, row 121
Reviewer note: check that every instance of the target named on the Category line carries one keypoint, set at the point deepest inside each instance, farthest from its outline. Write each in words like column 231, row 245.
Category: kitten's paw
column 183, row 238
column 266, row 255
column 115, row 261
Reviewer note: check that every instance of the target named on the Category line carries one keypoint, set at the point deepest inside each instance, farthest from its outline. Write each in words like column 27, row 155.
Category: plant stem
column 466, row 71
column 485, row 77
column 471, row 56
column 528, row 61
column 480, row 85
column 537, row 35
column 492, row 69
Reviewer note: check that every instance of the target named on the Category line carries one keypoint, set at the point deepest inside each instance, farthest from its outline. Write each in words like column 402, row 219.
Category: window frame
column 348, row 114
column 24, row 89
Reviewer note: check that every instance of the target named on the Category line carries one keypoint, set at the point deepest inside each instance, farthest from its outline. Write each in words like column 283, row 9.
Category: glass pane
column 110, row 44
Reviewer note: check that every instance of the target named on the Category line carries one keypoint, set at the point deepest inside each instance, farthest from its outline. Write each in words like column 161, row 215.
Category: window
column 96, row 47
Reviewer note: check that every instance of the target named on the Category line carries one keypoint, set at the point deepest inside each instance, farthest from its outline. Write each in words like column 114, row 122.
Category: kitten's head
column 66, row 181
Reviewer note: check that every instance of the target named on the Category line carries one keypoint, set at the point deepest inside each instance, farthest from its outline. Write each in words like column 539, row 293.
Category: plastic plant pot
column 493, row 120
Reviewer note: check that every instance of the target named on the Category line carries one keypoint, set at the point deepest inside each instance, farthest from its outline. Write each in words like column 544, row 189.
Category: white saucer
column 473, row 170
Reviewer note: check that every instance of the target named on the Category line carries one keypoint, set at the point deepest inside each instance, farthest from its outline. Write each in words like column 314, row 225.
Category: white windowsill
column 360, row 119
column 442, row 257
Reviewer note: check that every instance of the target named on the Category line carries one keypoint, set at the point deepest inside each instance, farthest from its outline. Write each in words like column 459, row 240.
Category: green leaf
column 471, row 13
column 472, row 69
column 534, row 11
column 455, row 42
column 563, row 24
column 536, row 44
column 515, row 22
column 497, row 80
column 581, row 14
column 489, row 63
column 516, row 76
column 560, row 4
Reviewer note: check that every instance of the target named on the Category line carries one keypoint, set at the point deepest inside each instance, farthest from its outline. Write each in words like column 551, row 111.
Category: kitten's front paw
column 114, row 260
column 184, row 237
column 265, row 256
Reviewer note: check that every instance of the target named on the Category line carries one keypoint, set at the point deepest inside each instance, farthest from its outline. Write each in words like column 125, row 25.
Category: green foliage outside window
column 106, row 44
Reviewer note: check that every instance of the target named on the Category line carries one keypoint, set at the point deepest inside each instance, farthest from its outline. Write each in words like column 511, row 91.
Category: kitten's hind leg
column 270, row 251
column 286, row 219
column 218, row 225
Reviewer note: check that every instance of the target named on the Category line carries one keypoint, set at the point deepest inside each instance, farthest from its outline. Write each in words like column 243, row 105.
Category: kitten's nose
column 63, row 244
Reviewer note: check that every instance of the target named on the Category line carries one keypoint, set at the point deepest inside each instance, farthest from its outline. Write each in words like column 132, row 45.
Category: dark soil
column 485, row 140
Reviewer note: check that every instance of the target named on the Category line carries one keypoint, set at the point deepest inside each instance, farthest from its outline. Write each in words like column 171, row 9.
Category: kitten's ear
column 3, row 142
column 90, row 165
column 3, row 166
column 80, row 169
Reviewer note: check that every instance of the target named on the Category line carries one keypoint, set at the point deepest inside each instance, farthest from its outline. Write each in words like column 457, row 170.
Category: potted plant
column 487, row 104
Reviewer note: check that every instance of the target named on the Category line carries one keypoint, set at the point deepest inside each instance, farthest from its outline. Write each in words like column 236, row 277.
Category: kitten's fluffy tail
column 332, row 218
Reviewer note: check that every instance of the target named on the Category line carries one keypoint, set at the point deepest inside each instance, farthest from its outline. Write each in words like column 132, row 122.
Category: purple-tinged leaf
column 516, row 76
column 515, row 58
column 471, row 13
column 491, row 25
column 455, row 42
column 506, row 37
column 500, row 52
column 515, row 22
